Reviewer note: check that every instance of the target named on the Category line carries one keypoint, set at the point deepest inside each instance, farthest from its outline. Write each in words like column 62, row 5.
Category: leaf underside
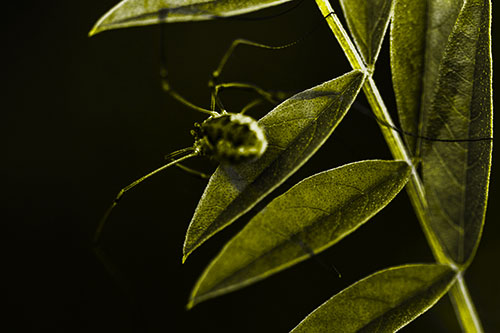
column 367, row 21
column 310, row 217
column 295, row 130
column 382, row 302
column 419, row 34
column 456, row 175
column 131, row 13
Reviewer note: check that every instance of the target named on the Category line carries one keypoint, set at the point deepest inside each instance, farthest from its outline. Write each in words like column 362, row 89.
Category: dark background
column 84, row 117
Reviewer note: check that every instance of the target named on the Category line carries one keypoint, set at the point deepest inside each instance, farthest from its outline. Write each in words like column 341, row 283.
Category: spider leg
column 269, row 96
column 194, row 172
column 122, row 283
column 307, row 249
column 172, row 156
column 367, row 112
column 212, row 83
column 250, row 105
column 165, row 84
column 241, row 41
column 237, row 42
column 97, row 235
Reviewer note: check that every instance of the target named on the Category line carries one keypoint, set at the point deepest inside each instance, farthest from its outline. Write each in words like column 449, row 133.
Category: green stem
column 464, row 308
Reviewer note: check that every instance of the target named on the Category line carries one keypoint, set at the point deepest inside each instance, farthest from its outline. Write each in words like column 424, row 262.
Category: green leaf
column 382, row 302
column 456, row 175
column 132, row 13
column 367, row 21
column 295, row 130
column 313, row 215
column 419, row 34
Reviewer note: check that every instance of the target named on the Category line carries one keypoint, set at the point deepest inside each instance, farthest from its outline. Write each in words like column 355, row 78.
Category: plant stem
column 464, row 308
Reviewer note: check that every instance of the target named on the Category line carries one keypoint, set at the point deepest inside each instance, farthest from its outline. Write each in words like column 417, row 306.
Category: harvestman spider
column 229, row 138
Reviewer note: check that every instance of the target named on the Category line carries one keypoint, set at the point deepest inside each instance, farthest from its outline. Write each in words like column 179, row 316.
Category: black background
column 86, row 116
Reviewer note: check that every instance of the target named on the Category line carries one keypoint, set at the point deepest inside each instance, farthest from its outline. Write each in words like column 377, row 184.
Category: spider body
column 230, row 138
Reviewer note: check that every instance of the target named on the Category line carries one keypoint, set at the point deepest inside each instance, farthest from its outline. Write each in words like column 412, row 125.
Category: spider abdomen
column 230, row 138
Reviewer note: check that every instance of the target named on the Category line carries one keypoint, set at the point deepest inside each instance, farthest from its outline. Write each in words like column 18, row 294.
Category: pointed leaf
column 382, row 302
column 367, row 21
column 456, row 175
column 131, row 13
column 313, row 215
column 419, row 34
column 295, row 130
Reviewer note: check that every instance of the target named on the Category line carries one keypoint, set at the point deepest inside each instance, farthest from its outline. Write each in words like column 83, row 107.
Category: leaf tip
column 186, row 254
column 190, row 304
column 194, row 297
column 95, row 30
column 189, row 247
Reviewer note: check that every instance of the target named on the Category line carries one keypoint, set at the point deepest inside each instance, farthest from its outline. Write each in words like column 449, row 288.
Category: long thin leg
column 192, row 171
column 122, row 283
column 166, row 85
column 250, row 105
column 262, row 18
column 217, row 72
column 297, row 239
column 127, row 188
column 313, row 255
column 212, row 83
column 237, row 42
column 268, row 96
column 241, row 41
column 171, row 157
column 364, row 110
column 271, row 97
